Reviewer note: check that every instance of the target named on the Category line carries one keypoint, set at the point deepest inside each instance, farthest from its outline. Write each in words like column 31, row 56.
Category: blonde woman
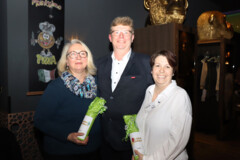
column 64, row 104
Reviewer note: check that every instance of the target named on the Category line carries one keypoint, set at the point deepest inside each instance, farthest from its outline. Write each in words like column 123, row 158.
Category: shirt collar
column 166, row 91
column 125, row 58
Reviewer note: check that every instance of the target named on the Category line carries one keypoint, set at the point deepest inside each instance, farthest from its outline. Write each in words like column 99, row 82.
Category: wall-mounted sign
column 46, row 38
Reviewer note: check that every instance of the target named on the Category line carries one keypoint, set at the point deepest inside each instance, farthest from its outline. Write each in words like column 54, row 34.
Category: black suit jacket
column 127, row 97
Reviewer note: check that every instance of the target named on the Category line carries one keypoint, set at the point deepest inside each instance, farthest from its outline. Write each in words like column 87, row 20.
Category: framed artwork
column 45, row 42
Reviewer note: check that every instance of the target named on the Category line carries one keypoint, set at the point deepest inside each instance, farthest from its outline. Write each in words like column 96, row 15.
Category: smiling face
column 121, row 37
column 78, row 64
column 162, row 71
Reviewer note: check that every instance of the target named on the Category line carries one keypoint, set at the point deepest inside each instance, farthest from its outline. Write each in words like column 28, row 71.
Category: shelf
column 212, row 41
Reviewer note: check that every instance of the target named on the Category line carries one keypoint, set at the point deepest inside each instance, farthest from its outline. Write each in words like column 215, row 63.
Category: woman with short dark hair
column 165, row 117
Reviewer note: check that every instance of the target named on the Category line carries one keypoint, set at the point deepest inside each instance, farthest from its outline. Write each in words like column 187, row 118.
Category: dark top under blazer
column 127, row 97
column 61, row 112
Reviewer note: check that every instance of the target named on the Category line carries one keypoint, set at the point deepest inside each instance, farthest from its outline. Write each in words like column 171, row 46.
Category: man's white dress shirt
column 118, row 67
column 165, row 123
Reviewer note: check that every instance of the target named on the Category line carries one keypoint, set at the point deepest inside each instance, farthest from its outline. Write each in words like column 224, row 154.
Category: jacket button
column 111, row 97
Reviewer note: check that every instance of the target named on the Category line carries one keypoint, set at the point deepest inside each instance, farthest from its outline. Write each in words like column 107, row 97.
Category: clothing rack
column 209, row 86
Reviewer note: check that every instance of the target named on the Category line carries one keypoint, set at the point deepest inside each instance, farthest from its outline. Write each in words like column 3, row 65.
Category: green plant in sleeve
column 96, row 107
column 132, row 131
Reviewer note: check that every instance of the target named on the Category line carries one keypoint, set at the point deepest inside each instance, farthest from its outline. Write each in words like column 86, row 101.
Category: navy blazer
column 127, row 97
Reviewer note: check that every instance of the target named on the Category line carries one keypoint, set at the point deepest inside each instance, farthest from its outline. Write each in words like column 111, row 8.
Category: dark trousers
column 108, row 153
column 89, row 156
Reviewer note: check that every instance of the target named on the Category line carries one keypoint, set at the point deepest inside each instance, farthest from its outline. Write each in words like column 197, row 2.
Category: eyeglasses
column 74, row 54
column 125, row 33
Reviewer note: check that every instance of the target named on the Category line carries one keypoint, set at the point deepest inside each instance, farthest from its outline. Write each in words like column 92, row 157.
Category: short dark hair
column 171, row 58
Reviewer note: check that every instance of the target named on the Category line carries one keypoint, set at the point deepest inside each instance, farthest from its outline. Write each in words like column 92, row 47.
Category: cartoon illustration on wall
column 46, row 40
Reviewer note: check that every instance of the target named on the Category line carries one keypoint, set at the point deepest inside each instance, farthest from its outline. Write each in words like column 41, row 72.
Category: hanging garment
column 211, row 79
column 203, row 73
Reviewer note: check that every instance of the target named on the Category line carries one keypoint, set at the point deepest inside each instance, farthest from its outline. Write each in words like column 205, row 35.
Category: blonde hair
column 62, row 63
column 125, row 21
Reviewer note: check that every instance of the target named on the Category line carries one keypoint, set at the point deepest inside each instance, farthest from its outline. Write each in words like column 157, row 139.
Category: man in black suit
column 123, row 77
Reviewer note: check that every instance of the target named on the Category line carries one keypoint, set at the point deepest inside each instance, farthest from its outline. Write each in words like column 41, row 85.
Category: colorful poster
column 46, row 38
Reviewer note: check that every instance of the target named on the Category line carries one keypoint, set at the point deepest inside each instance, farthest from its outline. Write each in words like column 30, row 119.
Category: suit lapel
column 107, row 74
column 129, row 65
column 127, row 68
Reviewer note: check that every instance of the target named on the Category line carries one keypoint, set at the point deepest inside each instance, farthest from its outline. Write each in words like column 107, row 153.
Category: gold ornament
column 213, row 25
column 166, row 11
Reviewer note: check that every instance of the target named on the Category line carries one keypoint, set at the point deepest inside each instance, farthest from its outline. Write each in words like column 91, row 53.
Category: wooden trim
column 208, row 41
column 35, row 93
column 213, row 41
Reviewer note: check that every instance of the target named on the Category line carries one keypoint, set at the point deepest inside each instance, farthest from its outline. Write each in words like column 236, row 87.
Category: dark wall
column 3, row 58
column 86, row 20
column 17, row 52
column 196, row 8
column 90, row 20
column 226, row 6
